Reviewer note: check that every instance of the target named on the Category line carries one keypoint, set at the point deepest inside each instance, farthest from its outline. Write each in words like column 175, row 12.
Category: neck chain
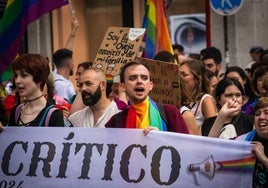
column 31, row 100
column 34, row 112
column 27, row 114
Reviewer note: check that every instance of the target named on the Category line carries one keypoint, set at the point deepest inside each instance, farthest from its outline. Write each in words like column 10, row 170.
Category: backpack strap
column 51, row 110
column 46, row 116
column 162, row 112
column 17, row 113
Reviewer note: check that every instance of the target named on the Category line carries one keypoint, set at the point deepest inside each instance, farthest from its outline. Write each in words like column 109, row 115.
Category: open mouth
column 262, row 124
column 86, row 95
column 139, row 89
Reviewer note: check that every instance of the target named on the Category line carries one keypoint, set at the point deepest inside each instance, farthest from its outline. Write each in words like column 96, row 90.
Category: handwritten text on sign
column 119, row 46
column 165, row 77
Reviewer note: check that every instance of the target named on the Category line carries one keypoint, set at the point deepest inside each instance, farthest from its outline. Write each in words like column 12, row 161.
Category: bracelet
column 72, row 35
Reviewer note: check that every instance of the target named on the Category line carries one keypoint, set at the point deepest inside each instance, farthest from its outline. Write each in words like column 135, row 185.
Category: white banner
column 102, row 157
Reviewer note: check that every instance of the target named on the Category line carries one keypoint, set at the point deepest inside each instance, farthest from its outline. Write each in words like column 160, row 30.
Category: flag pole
column 71, row 9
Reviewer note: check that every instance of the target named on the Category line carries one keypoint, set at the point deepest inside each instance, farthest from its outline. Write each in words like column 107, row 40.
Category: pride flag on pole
column 18, row 14
column 157, row 36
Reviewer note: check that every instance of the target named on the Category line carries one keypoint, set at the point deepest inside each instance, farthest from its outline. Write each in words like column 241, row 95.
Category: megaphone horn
column 206, row 167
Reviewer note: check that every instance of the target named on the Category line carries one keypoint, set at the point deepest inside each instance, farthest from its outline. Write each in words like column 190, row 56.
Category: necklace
column 34, row 112
column 31, row 100
column 28, row 114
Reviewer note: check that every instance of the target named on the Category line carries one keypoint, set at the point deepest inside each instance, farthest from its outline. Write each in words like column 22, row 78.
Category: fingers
column 257, row 148
column 233, row 104
column 148, row 129
column 65, row 111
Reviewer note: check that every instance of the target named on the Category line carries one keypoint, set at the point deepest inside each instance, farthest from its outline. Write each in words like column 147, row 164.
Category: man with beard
column 144, row 113
column 99, row 109
column 63, row 60
column 212, row 58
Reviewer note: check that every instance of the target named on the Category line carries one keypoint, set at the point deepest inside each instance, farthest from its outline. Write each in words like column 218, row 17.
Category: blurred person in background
column 195, row 93
column 212, row 59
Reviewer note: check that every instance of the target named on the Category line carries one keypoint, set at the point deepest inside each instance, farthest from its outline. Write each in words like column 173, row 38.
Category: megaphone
column 206, row 168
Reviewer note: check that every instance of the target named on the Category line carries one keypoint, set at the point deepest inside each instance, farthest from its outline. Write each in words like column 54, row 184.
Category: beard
column 91, row 99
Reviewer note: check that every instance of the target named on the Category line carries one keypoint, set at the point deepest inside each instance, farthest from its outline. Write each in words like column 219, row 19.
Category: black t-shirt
column 243, row 124
column 260, row 174
column 56, row 118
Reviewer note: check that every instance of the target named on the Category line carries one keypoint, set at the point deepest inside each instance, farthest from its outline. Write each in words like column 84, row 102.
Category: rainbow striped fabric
column 157, row 36
column 18, row 14
column 246, row 164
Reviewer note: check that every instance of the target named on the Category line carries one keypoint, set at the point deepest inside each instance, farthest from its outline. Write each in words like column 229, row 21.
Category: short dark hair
column 211, row 53
column 256, row 50
column 224, row 83
column 242, row 74
column 132, row 63
column 165, row 56
column 60, row 57
column 195, row 56
column 264, row 56
column 178, row 47
column 85, row 65
column 34, row 64
column 259, row 72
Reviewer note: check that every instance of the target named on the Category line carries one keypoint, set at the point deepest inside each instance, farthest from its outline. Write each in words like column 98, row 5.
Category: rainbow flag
column 246, row 164
column 18, row 14
column 157, row 36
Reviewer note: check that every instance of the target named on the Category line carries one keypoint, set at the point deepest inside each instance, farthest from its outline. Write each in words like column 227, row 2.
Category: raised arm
column 70, row 42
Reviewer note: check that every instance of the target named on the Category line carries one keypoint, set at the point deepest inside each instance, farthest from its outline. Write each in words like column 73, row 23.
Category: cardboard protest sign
column 165, row 77
column 119, row 46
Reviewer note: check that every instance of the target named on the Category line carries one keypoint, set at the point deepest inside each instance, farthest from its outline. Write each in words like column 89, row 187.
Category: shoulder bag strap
column 45, row 115
column 198, row 104
column 50, row 111
column 17, row 113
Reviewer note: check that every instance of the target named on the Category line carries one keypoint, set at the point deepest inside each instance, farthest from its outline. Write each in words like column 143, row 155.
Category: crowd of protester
column 227, row 104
